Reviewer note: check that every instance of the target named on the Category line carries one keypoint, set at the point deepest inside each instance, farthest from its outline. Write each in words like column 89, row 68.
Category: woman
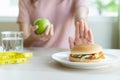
column 61, row 13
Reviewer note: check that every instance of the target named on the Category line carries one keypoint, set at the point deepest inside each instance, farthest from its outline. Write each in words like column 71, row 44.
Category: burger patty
column 89, row 56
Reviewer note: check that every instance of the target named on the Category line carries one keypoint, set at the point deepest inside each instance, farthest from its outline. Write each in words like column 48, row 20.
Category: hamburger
column 86, row 53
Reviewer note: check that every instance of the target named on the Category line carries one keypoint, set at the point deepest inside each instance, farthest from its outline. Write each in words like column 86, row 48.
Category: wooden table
column 42, row 67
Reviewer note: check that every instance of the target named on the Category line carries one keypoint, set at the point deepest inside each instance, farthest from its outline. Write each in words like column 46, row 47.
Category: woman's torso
column 60, row 14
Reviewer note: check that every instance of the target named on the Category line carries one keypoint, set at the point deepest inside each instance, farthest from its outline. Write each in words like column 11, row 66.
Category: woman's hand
column 44, row 36
column 83, row 35
column 33, row 37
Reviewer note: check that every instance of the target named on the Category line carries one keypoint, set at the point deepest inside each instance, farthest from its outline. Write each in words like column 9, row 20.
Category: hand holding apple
column 42, row 24
column 42, row 32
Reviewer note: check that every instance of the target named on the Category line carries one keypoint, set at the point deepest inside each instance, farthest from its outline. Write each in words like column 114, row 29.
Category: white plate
column 62, row 58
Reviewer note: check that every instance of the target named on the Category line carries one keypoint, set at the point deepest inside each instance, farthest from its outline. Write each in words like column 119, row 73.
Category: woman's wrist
column 81, row 14
column 28, row 41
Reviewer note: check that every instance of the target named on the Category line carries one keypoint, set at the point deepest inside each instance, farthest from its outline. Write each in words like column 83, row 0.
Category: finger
column 34, row 28
column 85, row 30
column 47, row 30
column 51, row 30
column 81, row 28
column 90, row 36
column 43, row 39
column 71, row 42
column 77, row 31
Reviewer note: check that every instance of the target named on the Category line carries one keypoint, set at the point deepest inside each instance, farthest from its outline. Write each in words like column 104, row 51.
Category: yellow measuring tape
column 14, row 57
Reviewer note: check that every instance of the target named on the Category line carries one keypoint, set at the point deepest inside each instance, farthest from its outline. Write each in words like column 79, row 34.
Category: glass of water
column 12, row 41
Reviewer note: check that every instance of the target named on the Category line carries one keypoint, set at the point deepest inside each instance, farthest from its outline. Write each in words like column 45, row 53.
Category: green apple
column 42, row 24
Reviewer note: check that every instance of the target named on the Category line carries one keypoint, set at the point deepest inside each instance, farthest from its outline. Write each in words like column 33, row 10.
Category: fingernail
column 36, row 27
column 51, row 24
column 77, row 23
